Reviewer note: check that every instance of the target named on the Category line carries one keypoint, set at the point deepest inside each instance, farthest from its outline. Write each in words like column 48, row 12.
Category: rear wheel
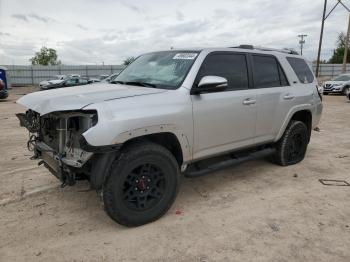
column 142, row 184
column 291, row 148
column 346, row 90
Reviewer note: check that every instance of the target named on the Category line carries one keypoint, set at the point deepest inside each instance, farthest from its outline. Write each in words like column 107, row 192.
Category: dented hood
column 75, row 98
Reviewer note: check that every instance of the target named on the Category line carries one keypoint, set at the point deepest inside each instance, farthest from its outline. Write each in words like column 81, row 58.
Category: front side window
column 231, row 66
column 166, row 69
column 267, row 72
column 301, row 69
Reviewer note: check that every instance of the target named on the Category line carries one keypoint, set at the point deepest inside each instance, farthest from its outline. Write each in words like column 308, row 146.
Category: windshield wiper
column 139, row 83
column 117, row 82
column 135, row 83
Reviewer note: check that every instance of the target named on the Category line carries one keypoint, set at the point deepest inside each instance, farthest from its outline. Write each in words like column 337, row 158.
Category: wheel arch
column 101, row 162
column 302, row 114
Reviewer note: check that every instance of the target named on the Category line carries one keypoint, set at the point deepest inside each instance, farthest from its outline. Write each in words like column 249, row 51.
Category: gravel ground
column 255, row 211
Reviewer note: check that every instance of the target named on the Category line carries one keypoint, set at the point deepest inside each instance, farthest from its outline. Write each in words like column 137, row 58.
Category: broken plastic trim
column 84, row 145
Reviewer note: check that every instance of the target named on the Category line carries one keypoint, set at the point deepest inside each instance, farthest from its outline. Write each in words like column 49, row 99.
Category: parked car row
column 60, row 81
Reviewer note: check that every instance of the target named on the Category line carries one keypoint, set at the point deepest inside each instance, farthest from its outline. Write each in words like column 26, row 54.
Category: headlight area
column 55, row 139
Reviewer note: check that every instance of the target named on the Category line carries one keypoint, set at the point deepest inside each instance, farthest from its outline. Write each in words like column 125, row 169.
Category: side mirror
column 210, row 84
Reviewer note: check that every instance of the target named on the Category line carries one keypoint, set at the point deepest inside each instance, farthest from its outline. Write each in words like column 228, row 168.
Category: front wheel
column 291, row 148
column 141, row 185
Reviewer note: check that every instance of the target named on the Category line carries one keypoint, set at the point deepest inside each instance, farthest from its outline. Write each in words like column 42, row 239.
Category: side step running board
column 227, row 163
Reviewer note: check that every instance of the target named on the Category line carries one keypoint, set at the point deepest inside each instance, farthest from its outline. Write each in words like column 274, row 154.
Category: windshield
column 342, row 78
column 160, row 69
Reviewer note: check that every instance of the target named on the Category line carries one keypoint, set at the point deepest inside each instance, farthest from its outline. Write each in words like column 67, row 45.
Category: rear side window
column 233, row 67
column 301, row 69
column 267, row 72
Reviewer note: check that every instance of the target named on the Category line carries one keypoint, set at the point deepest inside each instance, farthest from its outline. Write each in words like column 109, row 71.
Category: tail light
column 2, row 85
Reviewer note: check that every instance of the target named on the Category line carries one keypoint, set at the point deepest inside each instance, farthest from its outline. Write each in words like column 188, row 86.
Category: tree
column 338, row 53
column 129, row 60
column 46, row 56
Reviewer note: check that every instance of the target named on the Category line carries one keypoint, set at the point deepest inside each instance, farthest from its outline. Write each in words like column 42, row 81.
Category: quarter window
column 267, row 72
column 233, row 67
column 301, row 69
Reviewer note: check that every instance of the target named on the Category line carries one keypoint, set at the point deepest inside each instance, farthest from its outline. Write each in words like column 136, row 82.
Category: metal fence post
column 111, row 69
column 32, row 74
column 86, row 71
column 332, row 71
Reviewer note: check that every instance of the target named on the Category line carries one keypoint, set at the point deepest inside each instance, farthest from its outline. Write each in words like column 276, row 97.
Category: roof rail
column 261, row 48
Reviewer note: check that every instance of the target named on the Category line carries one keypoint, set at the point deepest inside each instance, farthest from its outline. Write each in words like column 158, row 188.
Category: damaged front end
column 56, row 138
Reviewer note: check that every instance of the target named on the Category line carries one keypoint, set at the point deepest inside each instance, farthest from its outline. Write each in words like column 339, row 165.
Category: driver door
column 224, row 120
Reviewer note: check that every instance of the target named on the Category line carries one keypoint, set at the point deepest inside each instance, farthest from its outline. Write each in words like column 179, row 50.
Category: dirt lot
column 256, row 211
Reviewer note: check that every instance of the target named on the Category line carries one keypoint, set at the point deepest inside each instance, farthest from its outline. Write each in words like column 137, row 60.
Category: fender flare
column 292, row 111
column 156, row 129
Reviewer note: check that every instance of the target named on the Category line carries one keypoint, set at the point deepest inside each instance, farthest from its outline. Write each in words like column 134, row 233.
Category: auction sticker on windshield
column 188, row 56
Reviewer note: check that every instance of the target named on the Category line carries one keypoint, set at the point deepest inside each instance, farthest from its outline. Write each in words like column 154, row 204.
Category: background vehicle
column 339, row 85
column 56, row 80
column 67, row 82
column 172, row 112
column 3, row 83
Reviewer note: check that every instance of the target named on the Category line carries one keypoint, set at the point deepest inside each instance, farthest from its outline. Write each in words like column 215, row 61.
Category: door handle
column 288, row 97
column 249, row 101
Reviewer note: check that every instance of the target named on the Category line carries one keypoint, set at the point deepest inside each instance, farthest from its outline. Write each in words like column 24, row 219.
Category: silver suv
column 166, row 115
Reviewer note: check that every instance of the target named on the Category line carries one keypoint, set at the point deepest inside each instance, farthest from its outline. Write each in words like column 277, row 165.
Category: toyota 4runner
column 173, row 113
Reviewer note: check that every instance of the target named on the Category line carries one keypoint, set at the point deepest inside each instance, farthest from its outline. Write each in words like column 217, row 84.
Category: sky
column 109, row 31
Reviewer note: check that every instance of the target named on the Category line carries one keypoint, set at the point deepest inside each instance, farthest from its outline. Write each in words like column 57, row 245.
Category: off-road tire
column 291, row 147
column 132, row 212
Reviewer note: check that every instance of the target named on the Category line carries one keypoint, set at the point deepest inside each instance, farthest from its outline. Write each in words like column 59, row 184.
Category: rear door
column 224, row 120
column 274, row 96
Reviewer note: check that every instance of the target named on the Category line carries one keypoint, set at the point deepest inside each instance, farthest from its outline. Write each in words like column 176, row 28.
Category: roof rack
column 261, row 48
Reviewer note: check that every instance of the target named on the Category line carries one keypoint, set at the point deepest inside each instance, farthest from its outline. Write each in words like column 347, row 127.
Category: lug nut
column 141, row 192
column 135, row 188
column 143, row 176
column 148, row 180
column 136, row 181
column 147, row 187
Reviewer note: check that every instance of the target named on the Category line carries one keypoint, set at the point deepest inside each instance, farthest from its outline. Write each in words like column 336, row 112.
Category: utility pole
column 301, row 42
column 345, row 58
column 324, row 17
column 321, row 37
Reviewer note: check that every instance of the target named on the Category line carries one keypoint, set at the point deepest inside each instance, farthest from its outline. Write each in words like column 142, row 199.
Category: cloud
column 40, row 18
column 184, row 28
column 82, row 27
column 33, row 16
column 91, row 31
column 132, row 7
column 180, row 16
column 20, row 17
